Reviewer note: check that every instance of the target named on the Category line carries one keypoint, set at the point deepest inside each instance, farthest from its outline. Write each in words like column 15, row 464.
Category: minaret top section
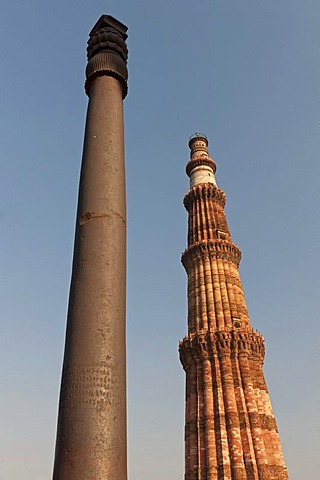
column 107, row 52
column 200, row 168
column 198, row 144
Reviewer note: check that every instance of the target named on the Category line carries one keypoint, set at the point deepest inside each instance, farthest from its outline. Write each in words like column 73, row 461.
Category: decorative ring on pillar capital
column 107, row 63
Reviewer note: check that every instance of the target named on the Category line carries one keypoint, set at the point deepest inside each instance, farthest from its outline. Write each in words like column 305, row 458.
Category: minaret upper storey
column 201, row 168
column 207, row 224
column 211, row 256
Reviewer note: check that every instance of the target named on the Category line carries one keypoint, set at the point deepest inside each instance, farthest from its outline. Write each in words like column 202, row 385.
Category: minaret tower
column 230, row 430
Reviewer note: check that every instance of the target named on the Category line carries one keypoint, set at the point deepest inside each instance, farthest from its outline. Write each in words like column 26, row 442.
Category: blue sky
column 245, row 73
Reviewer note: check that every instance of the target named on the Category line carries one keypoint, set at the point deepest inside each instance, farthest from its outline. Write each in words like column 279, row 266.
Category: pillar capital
column 107, row 52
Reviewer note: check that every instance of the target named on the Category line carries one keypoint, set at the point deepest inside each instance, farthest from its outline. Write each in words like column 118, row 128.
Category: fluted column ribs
column 257, row 436
column 268, row 423
column 237, row 288
column 204, row 219
column 209, row 219
column 209, row 294
column 193, row 223
column 246, row 437
column 197, row 297
column 186, row 428
column 192, row 423
column 210, row 212
column 223, row 460
column 231, row 295
column 198, row 229
column 192, row 300
column 214, row 294
column 233, row 424
column 217, row 293
column 190, row 239
column 203, row 297
column 201, row 421
column 224, row 293
column 210, row 439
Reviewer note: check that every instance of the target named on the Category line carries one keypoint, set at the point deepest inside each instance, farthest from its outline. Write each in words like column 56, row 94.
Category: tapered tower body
column 230, row 430
column 91, row 433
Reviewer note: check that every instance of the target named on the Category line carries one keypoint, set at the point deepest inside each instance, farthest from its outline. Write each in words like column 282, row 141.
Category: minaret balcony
column 213, row 249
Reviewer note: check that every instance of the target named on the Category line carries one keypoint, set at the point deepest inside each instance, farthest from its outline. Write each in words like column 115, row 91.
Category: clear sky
column 245, row 73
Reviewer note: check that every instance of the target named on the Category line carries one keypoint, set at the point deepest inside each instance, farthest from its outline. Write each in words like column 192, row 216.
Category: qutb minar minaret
column 230, row 430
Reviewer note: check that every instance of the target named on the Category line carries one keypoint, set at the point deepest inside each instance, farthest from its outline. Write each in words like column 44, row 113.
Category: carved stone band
column 230, row 343
column 215, row 249
column 203, row 192
column 196, row 162
column 107, row 63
